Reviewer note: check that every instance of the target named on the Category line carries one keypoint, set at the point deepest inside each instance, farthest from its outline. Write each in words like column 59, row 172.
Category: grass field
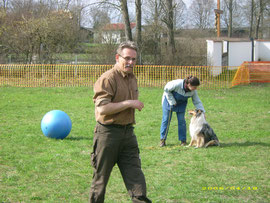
column 34, row 168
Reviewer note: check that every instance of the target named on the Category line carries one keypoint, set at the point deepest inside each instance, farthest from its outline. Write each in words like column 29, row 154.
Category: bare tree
column 138, row 4
column 202, row 13
column 4, row 4
column 253, row 10
column 153, row 30
column 180, row 12
column 169, row 22
column 251, row 18
column 259, row 17
column 232, row 15
column 160, row 28
column 32, row 29
column 119, row 5
column 124, row 10
column 100, row 17
column 258, row 13
column 230, row 18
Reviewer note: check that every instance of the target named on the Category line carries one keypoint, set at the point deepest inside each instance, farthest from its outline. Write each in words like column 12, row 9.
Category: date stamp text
column 229, row 188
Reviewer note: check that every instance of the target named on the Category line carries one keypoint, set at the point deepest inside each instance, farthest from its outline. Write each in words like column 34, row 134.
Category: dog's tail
column 212, row 143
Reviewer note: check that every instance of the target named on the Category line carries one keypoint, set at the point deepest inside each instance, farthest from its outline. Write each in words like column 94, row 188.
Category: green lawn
column 36, row 168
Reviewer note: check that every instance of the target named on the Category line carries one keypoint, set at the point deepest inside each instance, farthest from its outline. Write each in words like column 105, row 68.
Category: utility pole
column 217, row 18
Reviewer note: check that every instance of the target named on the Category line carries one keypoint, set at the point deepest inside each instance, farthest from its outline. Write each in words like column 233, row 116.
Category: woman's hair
column 192, row 80
column 127, row 44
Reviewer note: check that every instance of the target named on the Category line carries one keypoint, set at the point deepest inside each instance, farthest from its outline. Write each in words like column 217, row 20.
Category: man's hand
column 112, row 108
column 136, row 104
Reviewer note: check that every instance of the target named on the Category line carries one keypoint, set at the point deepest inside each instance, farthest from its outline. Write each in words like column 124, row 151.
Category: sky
column 187, row 2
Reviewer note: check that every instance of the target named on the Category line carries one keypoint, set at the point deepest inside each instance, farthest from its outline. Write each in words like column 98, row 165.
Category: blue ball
column 56, row 124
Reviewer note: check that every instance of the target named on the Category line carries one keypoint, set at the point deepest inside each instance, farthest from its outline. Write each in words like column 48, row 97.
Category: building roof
column 221, row 39
column 117, row 26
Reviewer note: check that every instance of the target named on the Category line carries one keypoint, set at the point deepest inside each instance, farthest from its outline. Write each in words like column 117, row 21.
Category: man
column 175, row 99
column 116, row 98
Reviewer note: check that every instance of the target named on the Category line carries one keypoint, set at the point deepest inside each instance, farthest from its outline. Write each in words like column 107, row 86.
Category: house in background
column 114, row 33
column 87, row 34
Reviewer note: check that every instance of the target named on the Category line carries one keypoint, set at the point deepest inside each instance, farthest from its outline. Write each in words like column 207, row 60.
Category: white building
column 115, row 33
column 233, row 52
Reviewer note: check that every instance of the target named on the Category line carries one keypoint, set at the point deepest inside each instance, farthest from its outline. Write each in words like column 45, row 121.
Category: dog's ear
column 199, row 111
column 191, row 112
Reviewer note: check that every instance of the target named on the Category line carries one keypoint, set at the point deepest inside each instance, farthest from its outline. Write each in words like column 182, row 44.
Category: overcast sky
column 88, row 24
column 187, row 2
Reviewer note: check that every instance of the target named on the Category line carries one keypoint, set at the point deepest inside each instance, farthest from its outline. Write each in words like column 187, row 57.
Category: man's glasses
column 128, row 58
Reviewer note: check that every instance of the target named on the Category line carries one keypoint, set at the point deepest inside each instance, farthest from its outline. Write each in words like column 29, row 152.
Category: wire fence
column 60, row 75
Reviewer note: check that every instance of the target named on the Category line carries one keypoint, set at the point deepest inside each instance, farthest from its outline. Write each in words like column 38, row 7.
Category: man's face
column 127, row 59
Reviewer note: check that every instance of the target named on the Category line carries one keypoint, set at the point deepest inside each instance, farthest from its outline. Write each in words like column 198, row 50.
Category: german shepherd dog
column 202, row 135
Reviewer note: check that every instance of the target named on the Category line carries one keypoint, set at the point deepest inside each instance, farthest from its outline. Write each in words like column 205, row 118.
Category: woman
column 174, row 99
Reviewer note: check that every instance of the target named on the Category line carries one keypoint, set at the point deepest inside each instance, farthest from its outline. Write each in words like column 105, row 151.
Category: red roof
column 117, row 26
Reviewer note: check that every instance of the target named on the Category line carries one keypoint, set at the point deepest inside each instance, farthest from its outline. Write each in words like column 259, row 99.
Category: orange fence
column 48, row 75
column 252, row 72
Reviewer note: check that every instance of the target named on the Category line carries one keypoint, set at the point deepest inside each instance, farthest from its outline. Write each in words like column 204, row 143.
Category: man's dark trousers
column 115, row 144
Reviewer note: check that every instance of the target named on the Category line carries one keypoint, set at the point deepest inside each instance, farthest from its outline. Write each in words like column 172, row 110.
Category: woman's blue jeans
column 165, row 123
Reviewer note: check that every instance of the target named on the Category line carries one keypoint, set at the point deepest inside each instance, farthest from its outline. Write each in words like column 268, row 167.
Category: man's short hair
column 127, row 44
